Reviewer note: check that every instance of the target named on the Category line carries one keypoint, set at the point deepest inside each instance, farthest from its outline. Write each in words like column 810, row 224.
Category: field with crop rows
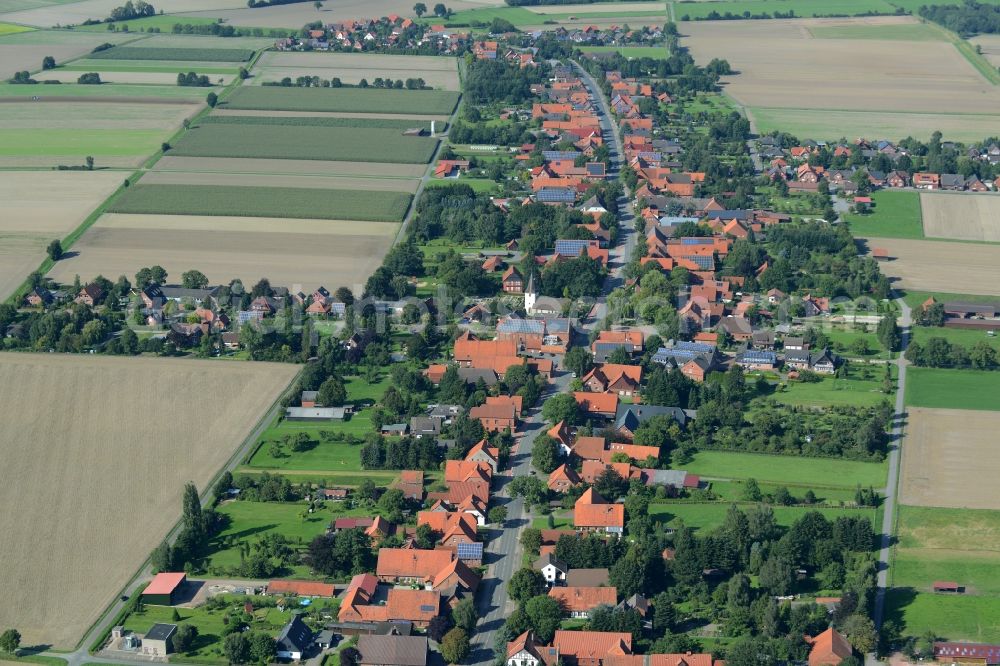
column 98, row 456
column 348, row 100
column 321, row 121
column 315, row 143
column 286, row 251
column 206, row 55
column 290, row 202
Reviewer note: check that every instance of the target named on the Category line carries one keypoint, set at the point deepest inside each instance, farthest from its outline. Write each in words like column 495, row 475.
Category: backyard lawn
column 895, row 215
column 955, row 618
column 788, row 470
column 709, row 516
column 862, row 388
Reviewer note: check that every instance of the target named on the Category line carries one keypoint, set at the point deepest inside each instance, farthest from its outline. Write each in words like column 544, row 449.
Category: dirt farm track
column 96, row 452
column 948, row 459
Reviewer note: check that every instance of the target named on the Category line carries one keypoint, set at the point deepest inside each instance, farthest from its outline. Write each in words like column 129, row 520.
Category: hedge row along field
column 344, row 100
column 291, row 202
column 210, row 55
column 346, row 144
column 324, row 121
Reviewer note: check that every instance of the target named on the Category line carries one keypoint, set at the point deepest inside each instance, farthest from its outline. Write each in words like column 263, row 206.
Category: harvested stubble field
column 990, row 46
column 178, row 54
column 98, row 457
column 305, row 143
column 396, row 123
column 271, row 180
column 166, row 66
column 590, row 8
column 288, row 252
column 49, row 13
column 288, row 167
column 64, row 132
column 437, row 72
column 782, row 67
column 132, row 93
column 345, row 100
column 294, row 16
column 973, row 217
column 25, row 50
column 235, row 201
column 949, row 459
column 935, row 266
column 39, row 206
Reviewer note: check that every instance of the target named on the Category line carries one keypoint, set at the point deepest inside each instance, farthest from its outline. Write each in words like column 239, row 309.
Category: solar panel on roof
column 556, row 195
column 571, row 248
column 427, row 608
column 470, row 551
column 694, row 241
column 549, row 155
column 704, row 262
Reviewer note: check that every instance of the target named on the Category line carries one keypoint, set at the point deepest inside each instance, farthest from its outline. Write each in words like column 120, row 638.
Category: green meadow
column 953, row 389
column 789, row 470
column 895, row 215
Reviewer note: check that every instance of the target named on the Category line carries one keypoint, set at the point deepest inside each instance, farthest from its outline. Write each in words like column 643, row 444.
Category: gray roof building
column 392, row 650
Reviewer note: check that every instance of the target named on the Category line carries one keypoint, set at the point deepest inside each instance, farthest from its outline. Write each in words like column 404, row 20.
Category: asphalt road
column 898, row 429
column 503, row 552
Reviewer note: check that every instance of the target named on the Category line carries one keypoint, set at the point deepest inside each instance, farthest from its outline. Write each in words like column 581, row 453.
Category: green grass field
column 915, row 298
column 919, row 32
column 732, row 491
column 322, row 121
column 348, row 144
column 132, row 92
column 790, row 470
column 895, row 215
column 854, row 390
column 12, row 29
column 709, row 516
column 150, row 53
column 163, row 23
column 477, row 184
column 289, row 202
column 659, row 52
column 953, row 389
column 344, row 100
column 960, row 336
column 804, row 8
column 960, row 617
column 62, row 142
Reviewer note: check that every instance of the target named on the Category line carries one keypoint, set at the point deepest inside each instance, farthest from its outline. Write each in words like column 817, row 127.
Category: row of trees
column 937, row 352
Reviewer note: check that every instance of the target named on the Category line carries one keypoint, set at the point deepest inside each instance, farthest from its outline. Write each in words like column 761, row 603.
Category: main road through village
column 503, row 552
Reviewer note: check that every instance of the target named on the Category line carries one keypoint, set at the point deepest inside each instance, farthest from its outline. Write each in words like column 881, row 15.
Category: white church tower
column 530, row 294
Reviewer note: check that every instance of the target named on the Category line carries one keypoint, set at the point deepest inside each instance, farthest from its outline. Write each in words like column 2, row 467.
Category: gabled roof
column 584, row 599
column 563, row 473
column 412, row 562
column 295, row 636
column 829, row 648
column 592, row 644
column 547, row 559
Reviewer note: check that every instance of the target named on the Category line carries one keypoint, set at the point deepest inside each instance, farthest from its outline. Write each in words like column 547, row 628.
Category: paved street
column 503, row 553
column 898, row 428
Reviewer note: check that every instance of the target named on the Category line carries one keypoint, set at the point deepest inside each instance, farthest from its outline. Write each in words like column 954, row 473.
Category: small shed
column 880, row 254
column 947, row 587
column 158, row 641
column 163, row 589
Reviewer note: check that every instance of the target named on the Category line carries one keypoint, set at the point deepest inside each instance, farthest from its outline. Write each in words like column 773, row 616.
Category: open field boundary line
column 205, row 494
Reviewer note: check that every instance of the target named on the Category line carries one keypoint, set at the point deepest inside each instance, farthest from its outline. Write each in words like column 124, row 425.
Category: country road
column 503, row 553
column 898, row 430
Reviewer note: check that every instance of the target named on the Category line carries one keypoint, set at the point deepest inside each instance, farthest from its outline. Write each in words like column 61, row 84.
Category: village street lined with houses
column 510, row 334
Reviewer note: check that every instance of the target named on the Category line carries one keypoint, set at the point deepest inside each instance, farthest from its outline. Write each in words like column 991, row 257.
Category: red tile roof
column 592, row 644
column 584, row 599
column 165, row 583
column 302, row 588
